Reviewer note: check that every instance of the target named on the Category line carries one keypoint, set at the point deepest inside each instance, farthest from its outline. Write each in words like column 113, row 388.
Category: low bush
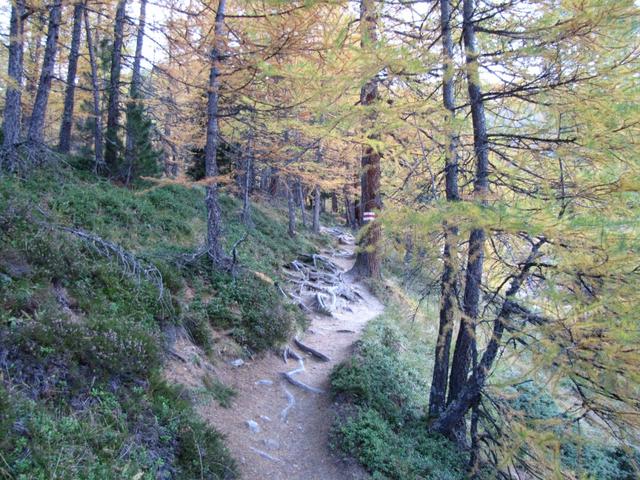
column 383, row 426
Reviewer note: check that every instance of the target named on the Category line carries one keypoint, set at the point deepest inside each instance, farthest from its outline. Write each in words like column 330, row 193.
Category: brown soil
column 295, row 447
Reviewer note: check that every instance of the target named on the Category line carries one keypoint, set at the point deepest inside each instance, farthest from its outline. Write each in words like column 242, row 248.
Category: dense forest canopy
column 495, row 142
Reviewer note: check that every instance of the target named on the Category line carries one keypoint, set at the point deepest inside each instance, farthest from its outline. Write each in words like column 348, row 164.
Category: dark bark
column 35, row 133
column 113, row 102
column 300, row 195
column 291, row 204
column 246, row 184
column 13, row 96
column 316, row 209
column 465, row 341
column 454, row 414
column 134, row 94
column 334, row 202
column 64, row 142
column 449, row 289
column 367, row 260
column 95, row 89
column 214, row 217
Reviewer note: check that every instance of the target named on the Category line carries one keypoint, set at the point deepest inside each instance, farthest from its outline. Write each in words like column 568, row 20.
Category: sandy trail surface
column 292, row 443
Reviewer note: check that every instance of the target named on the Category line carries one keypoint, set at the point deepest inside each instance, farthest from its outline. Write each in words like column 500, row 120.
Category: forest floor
column 276, row 430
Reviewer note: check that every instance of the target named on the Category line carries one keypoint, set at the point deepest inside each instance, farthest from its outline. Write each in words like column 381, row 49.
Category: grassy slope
column 82, row 342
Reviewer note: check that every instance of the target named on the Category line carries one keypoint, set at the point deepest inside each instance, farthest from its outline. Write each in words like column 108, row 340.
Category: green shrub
column 384, row 428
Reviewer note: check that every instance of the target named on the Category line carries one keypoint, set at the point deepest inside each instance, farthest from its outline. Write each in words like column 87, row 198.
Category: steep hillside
column 95, row 281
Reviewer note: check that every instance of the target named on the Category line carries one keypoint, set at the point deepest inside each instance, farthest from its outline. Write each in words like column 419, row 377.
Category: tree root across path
column 320, row 278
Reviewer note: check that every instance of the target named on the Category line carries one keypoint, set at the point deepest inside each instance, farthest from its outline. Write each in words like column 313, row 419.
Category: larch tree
column 64, row 142
column 214, row 217
column 367, row 259
column 112, row 138
column 35, row 132
column 134, row 107
column 13, row 96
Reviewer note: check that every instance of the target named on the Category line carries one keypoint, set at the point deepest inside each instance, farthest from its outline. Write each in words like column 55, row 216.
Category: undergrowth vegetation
column 383, row 394
column 82, row 334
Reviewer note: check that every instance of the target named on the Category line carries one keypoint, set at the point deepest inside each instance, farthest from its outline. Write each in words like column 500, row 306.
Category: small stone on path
column 253, row 426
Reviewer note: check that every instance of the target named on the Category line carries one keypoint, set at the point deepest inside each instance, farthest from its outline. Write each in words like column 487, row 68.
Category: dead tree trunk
column 367, row 260
column 291, row 209
column 134, row 94
column 214, row 216
column 95, row 90
column 449, row 288
column 113, row 107
column 316, row 209
column 13, row 96
column 64, row 142
column 35, row 133
column 465, row 343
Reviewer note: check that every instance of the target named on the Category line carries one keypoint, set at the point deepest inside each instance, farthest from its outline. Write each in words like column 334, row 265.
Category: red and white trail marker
column 368, row 216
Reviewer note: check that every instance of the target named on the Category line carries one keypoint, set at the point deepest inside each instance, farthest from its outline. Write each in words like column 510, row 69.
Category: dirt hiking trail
column 277, row 430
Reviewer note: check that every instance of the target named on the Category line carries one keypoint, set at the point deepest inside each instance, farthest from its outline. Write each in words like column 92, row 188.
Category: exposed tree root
column 289, row 377
column 265, row 455
column 312, row 351
column 291, row 401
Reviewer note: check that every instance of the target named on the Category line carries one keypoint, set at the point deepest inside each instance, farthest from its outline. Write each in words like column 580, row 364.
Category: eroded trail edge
column 278, row 426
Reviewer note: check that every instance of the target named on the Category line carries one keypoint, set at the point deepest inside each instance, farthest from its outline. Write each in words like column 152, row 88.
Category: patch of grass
column 81, row 339
column 221, row 392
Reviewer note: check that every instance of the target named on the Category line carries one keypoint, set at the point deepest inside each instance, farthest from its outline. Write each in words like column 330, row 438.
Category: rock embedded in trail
column 253, row 426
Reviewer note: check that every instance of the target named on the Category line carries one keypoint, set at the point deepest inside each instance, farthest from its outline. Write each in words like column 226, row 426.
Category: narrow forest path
column 292, row 443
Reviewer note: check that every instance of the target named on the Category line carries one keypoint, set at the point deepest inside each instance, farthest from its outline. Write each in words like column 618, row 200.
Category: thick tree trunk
column 95, row 89
column 13, row 96
column 448, row 296
column 64, row 142
column 214, row 216
column 334, row 202
column 367, row 260
column 113, row 107
column 134, row 94
column 36, row 123
column 465, row 343
column 316, row 209
column 291, row 204
column 453, row 415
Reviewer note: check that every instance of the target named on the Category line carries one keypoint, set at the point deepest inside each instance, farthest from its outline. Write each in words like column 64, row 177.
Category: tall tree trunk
column 246, row 184
column 367, row 260
column 134, row 94
column 448, row 296
column 13, row 96
column 214, row 217
column 454, row 414
column 113, row 107
column 291, row 204
column 64, row 142
column 334, row 202
column 317, row 200
column 473, row 278
column 35, row 133
column 95, row 90
column 300, row 195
